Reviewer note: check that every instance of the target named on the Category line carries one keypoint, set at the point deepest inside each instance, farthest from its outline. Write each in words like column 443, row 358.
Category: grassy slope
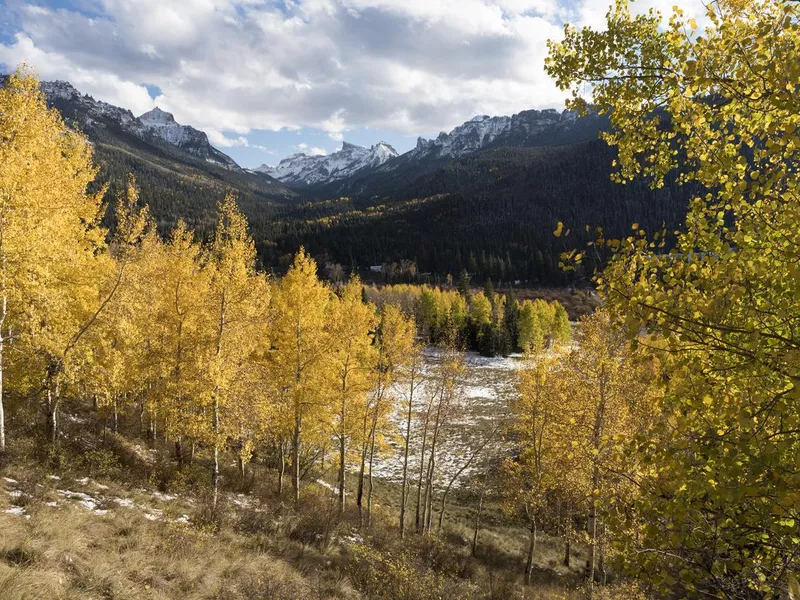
column 107, row 517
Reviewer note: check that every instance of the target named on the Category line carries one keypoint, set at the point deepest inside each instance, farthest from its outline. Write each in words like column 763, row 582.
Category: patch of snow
column 353, row 538
column 163, row 497
column 74, row 418
column 15, row 493
column 9, row 480
column 326, row 485
column 85, row 500
column 54, row 477
column 18, row 511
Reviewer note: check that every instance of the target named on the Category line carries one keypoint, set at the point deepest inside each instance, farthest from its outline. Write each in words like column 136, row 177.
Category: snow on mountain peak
column 59, row 89
column 314, row 170
column 157, row 117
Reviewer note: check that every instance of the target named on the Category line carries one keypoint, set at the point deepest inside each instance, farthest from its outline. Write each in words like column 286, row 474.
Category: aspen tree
column 543, row 462
column 52, row 242
column 411, row 376
column 300, row 342
column 353, row 359
column 182, row 310
column 394, row 339
column 714, row 103
column 235, row 304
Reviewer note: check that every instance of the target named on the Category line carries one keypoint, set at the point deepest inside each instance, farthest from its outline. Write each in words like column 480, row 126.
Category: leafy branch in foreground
column 719, row 512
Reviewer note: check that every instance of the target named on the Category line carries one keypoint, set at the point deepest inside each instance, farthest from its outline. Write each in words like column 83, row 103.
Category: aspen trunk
column 3, row 311
column 368, row 437
column 281, row 468
column 361, row 472
column 418, row 516
column 567, row 541
column 215, row 406
column 296, row 460
column 215, row 466
column 592, row 521
column 116, row 415
column 531, row 552
column 369, row 481
column 342, row 445
column 341, row 482
column 403, row 492
column 477, row 524
column 53, row 402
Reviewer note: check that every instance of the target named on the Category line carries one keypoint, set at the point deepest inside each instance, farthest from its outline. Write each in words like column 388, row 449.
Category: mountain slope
column 180, row 174
column 303, row 170
column 492, row 213
column 527, row 129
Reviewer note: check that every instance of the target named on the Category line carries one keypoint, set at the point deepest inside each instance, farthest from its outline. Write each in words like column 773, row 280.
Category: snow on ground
column 18, row 511
column 481, row 402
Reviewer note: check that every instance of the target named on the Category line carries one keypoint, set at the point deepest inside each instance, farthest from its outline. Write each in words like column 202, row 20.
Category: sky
column 269, row 78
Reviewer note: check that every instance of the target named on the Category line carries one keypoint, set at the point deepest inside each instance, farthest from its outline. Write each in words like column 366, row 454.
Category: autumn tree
column 53, row 248
column 183, row 346
column 353, row 358
column 238, row 299
column 394, row 339
column 411, row 378
column 300, row 313
column 715, row 105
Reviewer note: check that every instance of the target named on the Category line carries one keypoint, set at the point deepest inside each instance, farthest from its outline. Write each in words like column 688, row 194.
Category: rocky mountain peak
column 157, row 116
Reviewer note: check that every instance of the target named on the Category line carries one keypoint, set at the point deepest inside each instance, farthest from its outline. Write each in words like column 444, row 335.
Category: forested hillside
column 492, row 214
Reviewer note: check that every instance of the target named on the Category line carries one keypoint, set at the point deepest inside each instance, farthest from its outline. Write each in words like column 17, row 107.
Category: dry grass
column 132, row 541
column 69, row 552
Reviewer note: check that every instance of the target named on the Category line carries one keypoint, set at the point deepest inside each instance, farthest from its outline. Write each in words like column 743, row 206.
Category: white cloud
column 220, row 140
column 311, row 150
column 234, row 66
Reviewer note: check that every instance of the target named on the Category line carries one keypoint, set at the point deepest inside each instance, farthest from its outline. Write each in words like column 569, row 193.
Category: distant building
column 376, row 268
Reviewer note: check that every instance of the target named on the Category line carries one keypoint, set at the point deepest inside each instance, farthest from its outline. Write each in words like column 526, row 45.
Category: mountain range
column 484, row 197
column 303, row 170
column 342, row 171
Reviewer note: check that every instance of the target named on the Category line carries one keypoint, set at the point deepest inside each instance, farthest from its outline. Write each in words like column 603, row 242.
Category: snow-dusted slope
column 527, row 128
column 483, row 131
column 301, row 169
column 95, row 110
column 162, row 125
column 156, row 124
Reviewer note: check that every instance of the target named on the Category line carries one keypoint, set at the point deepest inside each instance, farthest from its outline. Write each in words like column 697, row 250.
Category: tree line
column 484, row 321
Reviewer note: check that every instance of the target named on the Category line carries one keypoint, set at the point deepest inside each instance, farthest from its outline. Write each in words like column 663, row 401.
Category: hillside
column 492, row 213
column 484, row 197
column 181, row 176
